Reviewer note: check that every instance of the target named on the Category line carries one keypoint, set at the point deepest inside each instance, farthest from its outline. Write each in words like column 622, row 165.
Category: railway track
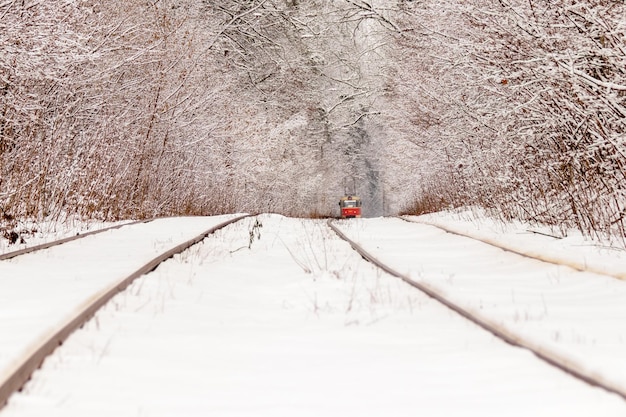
column 20, row 371
column 302, row 303
column 47, row 245
column 581, row 266
column 550, row 356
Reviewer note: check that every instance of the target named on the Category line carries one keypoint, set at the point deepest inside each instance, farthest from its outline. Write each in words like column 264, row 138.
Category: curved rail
column 47, row 245
column 553, row 358
column 25, row 367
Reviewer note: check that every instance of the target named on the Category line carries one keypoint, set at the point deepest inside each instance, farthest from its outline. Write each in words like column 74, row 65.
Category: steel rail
column 25, row 367
column 578, row 266
column 551, row 357
column 47, row 245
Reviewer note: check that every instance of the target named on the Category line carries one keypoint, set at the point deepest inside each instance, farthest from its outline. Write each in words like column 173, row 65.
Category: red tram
column 350, row 206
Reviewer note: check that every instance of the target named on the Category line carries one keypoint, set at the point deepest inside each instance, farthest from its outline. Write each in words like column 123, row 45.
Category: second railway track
column 542, row 351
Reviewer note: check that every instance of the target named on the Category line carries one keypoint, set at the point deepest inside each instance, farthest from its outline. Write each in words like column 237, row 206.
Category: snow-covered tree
column 131, row 109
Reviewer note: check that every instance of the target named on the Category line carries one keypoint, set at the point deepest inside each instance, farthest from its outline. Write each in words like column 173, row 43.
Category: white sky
column 300, row 325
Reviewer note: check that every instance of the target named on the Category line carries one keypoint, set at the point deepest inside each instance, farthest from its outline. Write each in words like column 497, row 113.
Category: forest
column 142, row 108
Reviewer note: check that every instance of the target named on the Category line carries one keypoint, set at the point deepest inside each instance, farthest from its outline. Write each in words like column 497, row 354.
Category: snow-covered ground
column 42, row 291
column 296, row 323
